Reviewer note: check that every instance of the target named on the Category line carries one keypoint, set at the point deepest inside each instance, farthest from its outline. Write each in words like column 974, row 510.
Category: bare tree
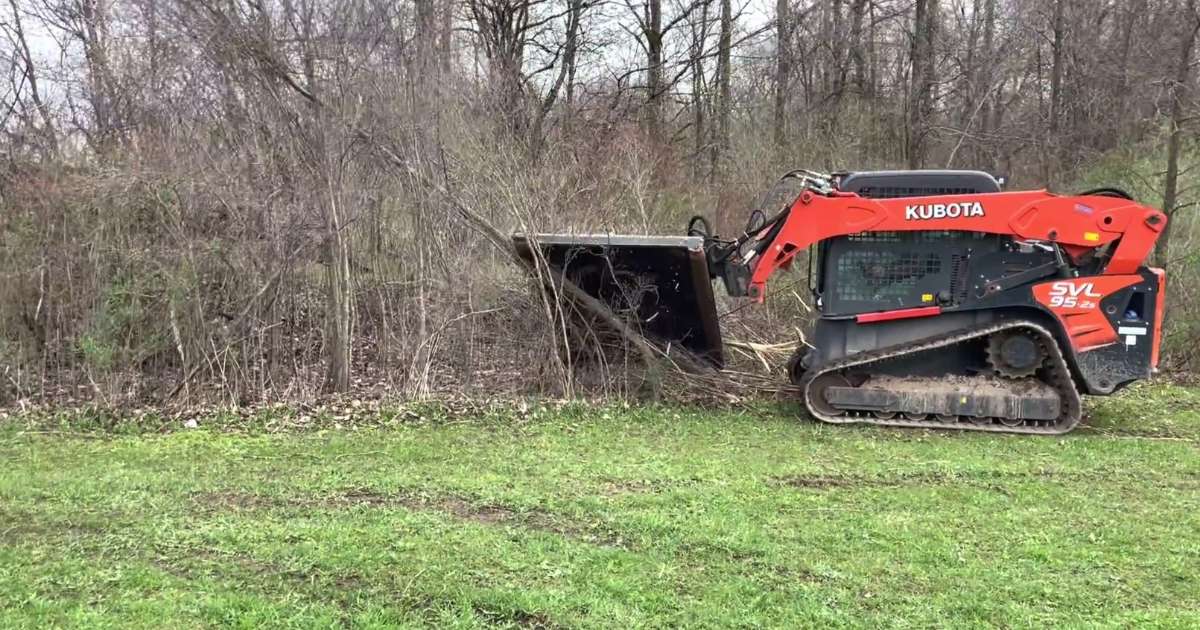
column 504, row 28
column 1058, row 32
column 922, row 64
column 1189, row 25
column 651, row 35
column 86, row 23
column 29, row 72
column 724, row 81
column 783, row 70
column 987, row 74
column 698, row 52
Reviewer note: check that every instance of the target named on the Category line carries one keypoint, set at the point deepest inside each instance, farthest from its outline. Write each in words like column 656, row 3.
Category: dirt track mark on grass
column 828, row 482
column 518, row 617
column 455, row 506
column 18, row 525
column 231, row 500
column 618, row 487
column 984, row 478
column 192, row 563
column 822, row 483
column 498, row 515
column 338, row 589
column 270, row 578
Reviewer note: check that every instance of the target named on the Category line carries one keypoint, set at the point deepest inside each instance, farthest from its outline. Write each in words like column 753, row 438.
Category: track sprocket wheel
column 1015, row 354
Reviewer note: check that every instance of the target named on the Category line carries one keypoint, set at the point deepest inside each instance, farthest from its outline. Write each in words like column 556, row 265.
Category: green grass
column 607, row 518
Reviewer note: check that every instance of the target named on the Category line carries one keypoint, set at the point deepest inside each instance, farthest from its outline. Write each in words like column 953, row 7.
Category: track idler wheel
column 817, row 392
column 1015, row 354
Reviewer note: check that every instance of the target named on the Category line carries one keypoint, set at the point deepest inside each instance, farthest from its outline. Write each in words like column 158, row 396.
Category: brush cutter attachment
column 659, row 285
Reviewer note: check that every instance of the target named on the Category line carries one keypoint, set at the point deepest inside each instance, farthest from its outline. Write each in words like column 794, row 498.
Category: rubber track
column 1060, row 379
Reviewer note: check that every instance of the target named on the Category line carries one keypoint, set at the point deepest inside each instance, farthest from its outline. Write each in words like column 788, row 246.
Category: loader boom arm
column 1079, row 224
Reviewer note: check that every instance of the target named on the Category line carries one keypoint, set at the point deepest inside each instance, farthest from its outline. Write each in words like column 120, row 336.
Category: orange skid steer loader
column 943, row 301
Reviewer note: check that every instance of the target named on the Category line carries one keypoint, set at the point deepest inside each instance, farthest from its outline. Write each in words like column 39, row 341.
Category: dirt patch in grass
column 993, row 479
column 337, row 588
column 354, row 497
column 458, row 507
column 258, row 575
column 227, row 500
column 822, row 483
column 618, row 487
column 462, row 509
column 455, row 506
column 536, row 520
column 35, row 527
column 985, row 478
column 519, row 618
column 829, row 482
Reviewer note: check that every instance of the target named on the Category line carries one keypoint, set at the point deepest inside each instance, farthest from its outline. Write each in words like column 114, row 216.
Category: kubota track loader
column 943, row 301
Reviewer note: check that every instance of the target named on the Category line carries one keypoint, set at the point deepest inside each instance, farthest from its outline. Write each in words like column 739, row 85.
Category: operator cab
column 881, row 271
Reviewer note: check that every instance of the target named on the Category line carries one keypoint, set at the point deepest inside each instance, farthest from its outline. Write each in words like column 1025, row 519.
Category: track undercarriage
column 1022, row 386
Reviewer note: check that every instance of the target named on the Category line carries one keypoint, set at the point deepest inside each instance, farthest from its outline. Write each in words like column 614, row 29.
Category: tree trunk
column 986, row 76
column 35, row 94
column 1058, row 40
column 970, row 77
column 94, row 15
column 699, row 91
column 571, row 50
column 446, row 36
column 1056, row 50
column 504, row 29
column 654, row 67
column 920, row 106
column 858, row 62
column 1179, row 91
column 341, row 298
column 425, row 44
column 783, row 70
column 912, row 148
column 872, row 55
column 838, row 53
column 566, row 70
column 153, row 45
column 725, row 42
column 1121, row 86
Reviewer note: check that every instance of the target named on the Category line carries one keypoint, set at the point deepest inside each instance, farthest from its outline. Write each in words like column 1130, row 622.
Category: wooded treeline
column 270, row 198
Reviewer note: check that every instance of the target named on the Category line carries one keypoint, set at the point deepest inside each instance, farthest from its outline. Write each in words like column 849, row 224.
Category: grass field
column 606, row 518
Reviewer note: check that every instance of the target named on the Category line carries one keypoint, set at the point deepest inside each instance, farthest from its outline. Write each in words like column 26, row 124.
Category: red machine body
column 1079, row 224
